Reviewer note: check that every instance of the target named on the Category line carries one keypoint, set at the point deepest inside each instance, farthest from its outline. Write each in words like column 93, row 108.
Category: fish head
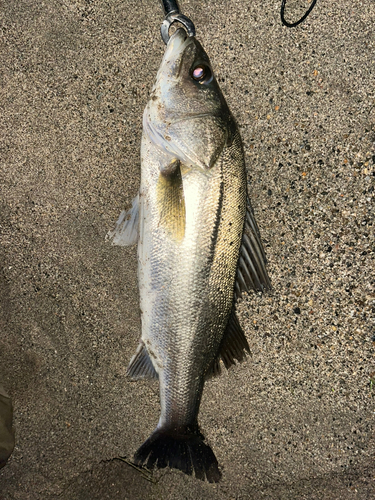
column 187, row 115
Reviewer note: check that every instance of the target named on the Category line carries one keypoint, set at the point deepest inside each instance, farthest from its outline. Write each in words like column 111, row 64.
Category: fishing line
column 173, row 14
column 293, row 25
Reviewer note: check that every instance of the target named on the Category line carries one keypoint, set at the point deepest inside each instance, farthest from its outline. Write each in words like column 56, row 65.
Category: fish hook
column 173, row 15
column 293, row 25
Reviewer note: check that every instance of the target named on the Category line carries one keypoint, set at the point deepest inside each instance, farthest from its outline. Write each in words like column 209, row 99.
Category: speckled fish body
column 193, row 203
column 191, row 214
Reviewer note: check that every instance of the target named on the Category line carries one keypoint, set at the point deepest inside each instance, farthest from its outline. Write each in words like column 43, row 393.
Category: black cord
column 292, row 25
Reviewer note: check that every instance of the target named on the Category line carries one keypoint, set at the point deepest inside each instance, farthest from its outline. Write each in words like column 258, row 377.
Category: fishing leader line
column 293, row 25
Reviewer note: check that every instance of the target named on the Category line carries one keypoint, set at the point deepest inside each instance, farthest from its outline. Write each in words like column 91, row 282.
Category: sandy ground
column 296, row 421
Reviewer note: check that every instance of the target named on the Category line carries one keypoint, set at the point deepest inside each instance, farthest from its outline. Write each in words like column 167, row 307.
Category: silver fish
column 198, row 249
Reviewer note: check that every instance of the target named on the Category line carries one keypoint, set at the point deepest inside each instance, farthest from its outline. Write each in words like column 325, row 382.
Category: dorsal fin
column 126, row 230
column 233, row 347
column 140, row 365
column 251, row 270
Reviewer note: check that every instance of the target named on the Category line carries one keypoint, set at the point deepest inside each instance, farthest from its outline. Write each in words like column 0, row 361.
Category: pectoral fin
column 171, row 201
column 126, row 230
column 251, row 271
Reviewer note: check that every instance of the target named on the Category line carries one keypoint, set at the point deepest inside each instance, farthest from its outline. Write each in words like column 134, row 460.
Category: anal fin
column 140, row 365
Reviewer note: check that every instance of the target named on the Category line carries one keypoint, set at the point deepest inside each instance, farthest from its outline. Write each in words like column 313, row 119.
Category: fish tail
column 183, row 449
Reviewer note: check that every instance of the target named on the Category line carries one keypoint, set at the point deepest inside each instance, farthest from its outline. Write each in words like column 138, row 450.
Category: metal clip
column 173, row 15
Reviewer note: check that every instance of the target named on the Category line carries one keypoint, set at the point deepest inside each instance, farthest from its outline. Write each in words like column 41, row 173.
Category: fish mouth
column 178, row 38
column 173, row 57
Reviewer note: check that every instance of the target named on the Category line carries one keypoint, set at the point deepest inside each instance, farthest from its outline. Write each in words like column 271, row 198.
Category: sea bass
column 198, row 249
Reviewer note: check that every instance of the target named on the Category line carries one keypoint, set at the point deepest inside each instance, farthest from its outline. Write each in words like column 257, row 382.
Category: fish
column 199, row 249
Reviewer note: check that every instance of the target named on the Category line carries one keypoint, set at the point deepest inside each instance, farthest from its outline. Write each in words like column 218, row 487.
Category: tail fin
column 185, row 451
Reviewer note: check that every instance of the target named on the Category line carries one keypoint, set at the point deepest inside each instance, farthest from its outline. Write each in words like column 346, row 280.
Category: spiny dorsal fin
column 140, row 365
column 251, row 271
column 233, row 347
column 126, row 230
column 171, row 201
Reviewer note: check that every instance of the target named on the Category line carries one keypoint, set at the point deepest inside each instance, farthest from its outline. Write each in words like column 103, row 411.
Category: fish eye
column 202, row 73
